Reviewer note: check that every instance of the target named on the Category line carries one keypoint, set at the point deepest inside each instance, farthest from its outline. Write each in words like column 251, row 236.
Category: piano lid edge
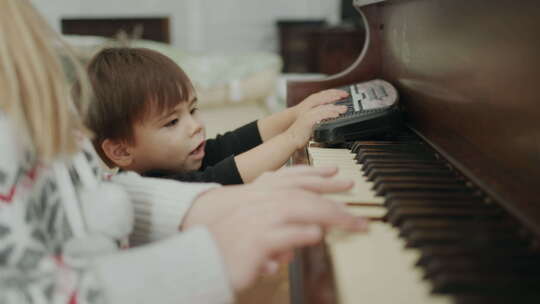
column 366, row 67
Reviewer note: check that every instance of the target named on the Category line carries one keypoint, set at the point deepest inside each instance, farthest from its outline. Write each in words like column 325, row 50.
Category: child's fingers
column 328, row 111
column 330, row 96
column 331, row 108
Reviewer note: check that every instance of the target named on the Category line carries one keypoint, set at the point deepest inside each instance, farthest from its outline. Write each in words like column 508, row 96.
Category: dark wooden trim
column 315, row 282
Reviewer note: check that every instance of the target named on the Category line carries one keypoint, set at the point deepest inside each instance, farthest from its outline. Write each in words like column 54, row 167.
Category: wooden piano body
column 468, row 73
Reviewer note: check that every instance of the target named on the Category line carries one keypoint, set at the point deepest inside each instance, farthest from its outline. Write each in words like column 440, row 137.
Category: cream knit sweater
column 59, row 234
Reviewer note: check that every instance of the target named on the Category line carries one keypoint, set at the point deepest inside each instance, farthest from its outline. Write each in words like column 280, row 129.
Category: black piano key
column 441, row 203
column 398, row 156
column 528, row 297
column 412, row 225
column 431, row 195
column 367, row 169
column 485, row 265
column 420, row 178
column 397, row 162
column 380, row 182
column 474, row 283
column 436, row 237
column 417, row 187
column 450, row 251
column 383, row 188
column 398, row 215
column 396, row 149
column 434, row 172
column 356, row 146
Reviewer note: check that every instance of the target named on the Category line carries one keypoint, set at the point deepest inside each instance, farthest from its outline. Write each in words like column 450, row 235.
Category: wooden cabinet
column 151, row 28
column 338, row 48
column 314, row 47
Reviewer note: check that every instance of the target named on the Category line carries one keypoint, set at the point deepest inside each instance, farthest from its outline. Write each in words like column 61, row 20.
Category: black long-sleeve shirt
column 218, row 165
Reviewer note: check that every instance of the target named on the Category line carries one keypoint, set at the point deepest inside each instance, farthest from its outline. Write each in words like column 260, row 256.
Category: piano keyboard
column 434, row 238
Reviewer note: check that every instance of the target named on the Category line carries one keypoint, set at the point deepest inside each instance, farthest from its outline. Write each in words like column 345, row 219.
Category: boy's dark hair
column 128, row 84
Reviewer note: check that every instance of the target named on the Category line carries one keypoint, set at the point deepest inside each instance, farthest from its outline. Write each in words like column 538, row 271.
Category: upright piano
column 454, row 197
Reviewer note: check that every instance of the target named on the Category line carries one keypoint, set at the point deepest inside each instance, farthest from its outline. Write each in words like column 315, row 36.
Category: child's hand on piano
column 300, row 131
column 319, row 98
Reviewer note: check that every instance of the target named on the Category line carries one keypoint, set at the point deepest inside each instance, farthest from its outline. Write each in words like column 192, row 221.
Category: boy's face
column 173, row 141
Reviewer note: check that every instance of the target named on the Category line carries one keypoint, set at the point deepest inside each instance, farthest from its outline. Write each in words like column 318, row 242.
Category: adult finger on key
column 273, row 264
column 303, row 170
column 286, row 237
column 312, row 208
column 322, row 185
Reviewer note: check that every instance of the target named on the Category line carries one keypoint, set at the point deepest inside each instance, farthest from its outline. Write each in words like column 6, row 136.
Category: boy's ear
column 118, row 152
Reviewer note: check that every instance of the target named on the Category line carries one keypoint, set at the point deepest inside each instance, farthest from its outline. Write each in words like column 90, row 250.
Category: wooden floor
column 268, row 290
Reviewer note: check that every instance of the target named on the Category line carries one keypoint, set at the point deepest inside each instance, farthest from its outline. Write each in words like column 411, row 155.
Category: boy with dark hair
column 145, row 119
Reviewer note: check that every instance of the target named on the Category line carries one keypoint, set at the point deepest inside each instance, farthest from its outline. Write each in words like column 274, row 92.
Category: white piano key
column 348, row 169
column 374, row 267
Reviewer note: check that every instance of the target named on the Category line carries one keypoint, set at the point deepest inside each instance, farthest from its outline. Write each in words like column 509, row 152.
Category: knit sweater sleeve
column 185, row 268
column 159, row 204
column 182, row 268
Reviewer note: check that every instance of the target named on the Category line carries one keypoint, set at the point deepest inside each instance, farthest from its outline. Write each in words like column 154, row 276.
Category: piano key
column 437, row 237
column 396, row 216
column 368, row 168
column 370, row 211
column 431, row 195
column 492, row 284
column 357, row 146
column 417, row 179
column 484, row 265
column 450, row 251
column 437, row 224
column 418, row 187
column 361, row 191
column 434, row 172
column 366, row 263
column 380, row 156
column 369, row 164
column 383, row 188
column 363, row 154
column 497, row 299
column 406, row 148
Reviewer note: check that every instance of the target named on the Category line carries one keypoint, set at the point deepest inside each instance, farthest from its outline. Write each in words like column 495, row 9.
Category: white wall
column 202, row 25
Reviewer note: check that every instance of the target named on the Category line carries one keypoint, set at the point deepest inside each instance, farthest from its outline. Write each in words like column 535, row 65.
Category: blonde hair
column 34, row 88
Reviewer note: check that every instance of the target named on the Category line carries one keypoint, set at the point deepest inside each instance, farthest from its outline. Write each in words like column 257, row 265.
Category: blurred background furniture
column 312, row 46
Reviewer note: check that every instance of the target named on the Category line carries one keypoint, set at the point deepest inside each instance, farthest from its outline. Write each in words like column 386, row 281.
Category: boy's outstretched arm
column 274, row 153
column 277, row 123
